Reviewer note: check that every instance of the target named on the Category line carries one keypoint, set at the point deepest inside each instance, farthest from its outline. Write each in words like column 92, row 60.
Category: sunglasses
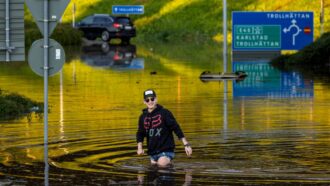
column 147, row 100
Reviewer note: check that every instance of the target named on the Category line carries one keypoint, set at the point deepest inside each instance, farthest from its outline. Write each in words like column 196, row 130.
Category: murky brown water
column 271, row 128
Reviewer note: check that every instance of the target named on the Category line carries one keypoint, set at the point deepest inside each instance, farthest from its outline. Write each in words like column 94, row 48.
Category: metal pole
column 224, row 20
column 7, row 32
column 46, row 47
column 73, row 15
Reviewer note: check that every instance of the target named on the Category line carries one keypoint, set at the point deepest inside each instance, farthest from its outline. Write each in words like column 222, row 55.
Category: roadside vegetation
column 313, row 60
column 13, row 106
column 174, row 20
column 64, row 33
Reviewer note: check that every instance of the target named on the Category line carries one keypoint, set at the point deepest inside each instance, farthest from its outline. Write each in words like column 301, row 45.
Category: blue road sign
column 127, row 9
column 271, row 30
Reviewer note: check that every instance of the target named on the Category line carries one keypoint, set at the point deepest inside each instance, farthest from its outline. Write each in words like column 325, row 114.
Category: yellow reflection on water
column 94, row 111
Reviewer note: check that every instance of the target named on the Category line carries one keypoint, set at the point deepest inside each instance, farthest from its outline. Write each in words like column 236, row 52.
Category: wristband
column 187, row 145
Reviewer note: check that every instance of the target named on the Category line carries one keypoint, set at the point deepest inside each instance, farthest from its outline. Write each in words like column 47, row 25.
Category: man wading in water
column 157, row 124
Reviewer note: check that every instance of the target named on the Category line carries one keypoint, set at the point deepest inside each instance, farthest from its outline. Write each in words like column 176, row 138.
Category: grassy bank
column 177, row 20
column 313, row 60
column 14, row 106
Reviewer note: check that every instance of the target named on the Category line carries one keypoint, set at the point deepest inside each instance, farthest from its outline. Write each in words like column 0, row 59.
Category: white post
column 73, row 15
column 322, row 16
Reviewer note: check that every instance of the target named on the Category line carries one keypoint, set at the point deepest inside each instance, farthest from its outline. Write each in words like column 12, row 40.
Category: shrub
column 13, row 106
column 312, row 60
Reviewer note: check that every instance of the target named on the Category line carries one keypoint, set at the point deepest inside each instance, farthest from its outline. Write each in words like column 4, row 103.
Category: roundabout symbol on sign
column 285, row 30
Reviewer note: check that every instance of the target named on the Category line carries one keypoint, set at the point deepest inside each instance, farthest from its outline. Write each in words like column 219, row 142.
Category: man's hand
column 187, row 146
column 140, row 151
column 188, row 150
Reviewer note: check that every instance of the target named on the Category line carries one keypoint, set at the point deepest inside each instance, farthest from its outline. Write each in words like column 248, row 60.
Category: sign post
column 47, row 14
column 46, row 46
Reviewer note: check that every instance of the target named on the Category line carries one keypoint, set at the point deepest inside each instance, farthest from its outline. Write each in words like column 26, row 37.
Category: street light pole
column 224, row 20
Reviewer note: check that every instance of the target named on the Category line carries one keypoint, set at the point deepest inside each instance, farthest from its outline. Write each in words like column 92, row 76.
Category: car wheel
column 105, row 47
column 105, row 36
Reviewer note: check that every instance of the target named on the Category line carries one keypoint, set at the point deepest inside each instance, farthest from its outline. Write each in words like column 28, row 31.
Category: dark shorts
column 169, row 155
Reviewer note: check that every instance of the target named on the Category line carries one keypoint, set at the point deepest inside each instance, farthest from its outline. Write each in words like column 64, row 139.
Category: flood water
column 271, row 128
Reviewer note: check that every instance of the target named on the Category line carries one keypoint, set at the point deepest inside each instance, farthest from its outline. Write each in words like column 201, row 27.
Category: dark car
column 107, row 27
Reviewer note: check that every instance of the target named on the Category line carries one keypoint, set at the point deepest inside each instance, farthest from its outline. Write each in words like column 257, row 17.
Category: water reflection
column 158, row 176
column 225, row 109
column 266, row 81
column 115, row 56
column 241, row 132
